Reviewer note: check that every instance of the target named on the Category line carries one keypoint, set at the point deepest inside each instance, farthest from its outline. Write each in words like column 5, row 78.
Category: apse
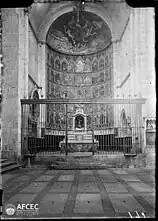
column 79, row 57
column 79, row 34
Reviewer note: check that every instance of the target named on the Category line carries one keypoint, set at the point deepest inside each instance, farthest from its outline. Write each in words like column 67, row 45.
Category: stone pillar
column 116, row 70
column 42, row 83
column 13, row 41
column 42, row 56
column 26, row 33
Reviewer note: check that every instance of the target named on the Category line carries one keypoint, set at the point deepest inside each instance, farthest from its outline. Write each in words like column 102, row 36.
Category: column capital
column 27, row 10
column 40, row 43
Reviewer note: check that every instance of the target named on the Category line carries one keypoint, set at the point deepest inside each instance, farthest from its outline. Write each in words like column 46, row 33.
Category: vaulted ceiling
column 114, row 13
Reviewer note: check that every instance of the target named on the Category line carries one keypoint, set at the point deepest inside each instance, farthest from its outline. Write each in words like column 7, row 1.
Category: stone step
column 80, row 154
column 7, row 165
column 2, row 160
column 77, row 167
column 10, row 168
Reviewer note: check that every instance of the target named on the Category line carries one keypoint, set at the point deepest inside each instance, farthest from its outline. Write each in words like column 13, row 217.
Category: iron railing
column 60, row 126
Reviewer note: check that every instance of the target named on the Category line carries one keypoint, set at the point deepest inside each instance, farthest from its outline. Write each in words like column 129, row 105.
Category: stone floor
column 81, row 193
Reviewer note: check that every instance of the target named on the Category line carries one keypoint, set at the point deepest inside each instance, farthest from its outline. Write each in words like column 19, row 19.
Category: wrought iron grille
column 63, row 126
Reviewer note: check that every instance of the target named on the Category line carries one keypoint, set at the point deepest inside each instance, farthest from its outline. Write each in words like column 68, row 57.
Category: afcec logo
column 22, row 209
column 10, row 209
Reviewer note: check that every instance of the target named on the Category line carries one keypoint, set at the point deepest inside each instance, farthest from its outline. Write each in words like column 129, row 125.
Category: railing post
column 66, row 140
column 140, row 126
column 92, row 129
column 22, row 130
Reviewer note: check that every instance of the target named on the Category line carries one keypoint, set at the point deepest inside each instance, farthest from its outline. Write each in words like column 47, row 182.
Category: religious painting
column 67, row 79
column 88, row 93
column 49, row 87
column 101, row 77
column 51, row 75
column 101, row 65
column 95, row 66
column 87, row 67
column 57, row 91
column 106, row 74
column 64, row 66
column 57, row 64
column 62, row 93
column 57, row 77
column 101, row 90
column 71, row 94
column 107, row 90
column 79, row 66
column 79, row 32
column 71, row 66
column 106, row 61
column 87, row 80
column 57, row 107
column 95, row 79
column 61, row 78
column 78, row 80
column 79, row 122
column 52, row 62
column 79, row 92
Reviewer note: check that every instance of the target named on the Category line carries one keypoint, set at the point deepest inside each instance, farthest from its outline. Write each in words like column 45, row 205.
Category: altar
column 79, row 139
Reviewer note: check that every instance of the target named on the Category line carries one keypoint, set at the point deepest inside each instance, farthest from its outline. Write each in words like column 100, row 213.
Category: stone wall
column 134, row 57
column 10, row 42
column 13, row 41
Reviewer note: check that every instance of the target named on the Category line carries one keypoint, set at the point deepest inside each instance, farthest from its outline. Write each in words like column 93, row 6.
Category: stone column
column 42, row 77
column 42, row 56
column 26, row 33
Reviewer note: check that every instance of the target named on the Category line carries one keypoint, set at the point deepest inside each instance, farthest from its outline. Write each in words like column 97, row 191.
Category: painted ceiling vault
column 79, row 33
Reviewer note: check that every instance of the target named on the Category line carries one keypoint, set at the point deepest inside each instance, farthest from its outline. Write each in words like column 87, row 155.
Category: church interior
column 78, row 76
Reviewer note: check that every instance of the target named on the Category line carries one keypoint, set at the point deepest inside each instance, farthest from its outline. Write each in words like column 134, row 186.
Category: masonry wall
column 134, row 56
column 10, row 42
column 13, row 41
column 146, row 60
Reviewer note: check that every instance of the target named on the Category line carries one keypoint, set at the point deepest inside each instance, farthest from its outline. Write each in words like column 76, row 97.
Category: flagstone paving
column 81, row 193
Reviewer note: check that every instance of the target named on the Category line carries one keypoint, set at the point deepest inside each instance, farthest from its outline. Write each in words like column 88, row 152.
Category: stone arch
column 54, row 13
column 35, row 94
